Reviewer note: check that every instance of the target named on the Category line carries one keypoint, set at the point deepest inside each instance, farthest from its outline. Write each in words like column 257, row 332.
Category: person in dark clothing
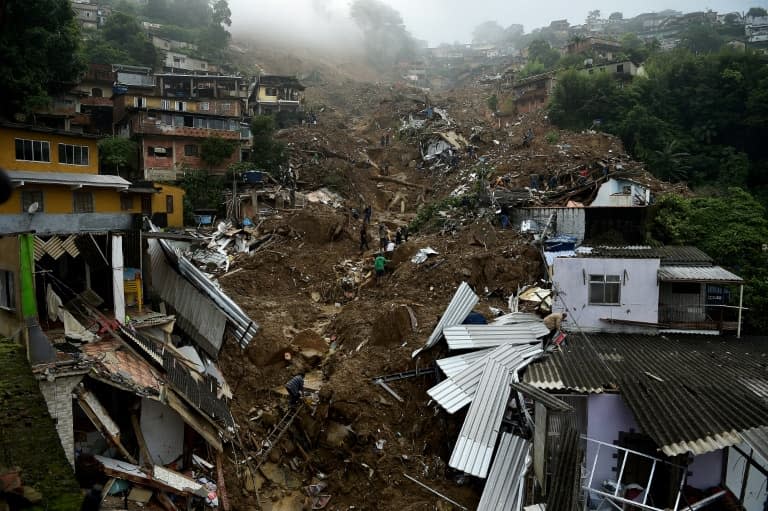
column 295, row 387
column 398, row 236
column 383, row 236
column 405, row 233
column 92, row 501
column 363, row 238
column 367, row 214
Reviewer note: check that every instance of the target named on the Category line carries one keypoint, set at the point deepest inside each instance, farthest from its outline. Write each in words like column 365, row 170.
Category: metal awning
column 714, row 274
column 23, row 177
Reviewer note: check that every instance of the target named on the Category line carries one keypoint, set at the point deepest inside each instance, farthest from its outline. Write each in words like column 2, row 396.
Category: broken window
column 33, row 150
column 7, row 294
column 82, row 202
column 604, row 289
column 29, row 197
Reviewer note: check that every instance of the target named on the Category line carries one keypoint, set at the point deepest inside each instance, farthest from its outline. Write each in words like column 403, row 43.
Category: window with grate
column 29, row 197
column 82, row 202
column 7, row 293
column 604, row 289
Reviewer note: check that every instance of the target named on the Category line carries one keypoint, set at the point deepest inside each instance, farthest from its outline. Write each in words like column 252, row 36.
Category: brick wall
column 58, row 397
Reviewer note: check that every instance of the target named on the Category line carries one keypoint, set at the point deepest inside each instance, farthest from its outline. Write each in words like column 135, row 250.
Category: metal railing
column 702, row 317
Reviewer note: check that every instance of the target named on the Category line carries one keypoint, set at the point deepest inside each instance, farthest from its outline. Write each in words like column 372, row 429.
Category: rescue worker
column 295, row 387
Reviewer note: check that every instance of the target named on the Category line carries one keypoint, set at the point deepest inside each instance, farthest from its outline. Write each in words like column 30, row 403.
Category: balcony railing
column 699, row 317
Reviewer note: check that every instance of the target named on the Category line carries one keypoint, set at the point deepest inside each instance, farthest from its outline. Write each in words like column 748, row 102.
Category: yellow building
column 57, row 185
column 150, row 199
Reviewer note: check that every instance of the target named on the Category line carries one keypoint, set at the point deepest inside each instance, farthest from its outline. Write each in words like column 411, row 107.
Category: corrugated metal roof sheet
column 477, row 438
column 541, row 396
column 68, row 178
column 516, row 317
column 697, row 274
column 508, row 469
column 462, row 303
column 452, row 366
column 197, row 315
column 757, row 439
column 456, row 392
column 463, row 337
column 687, row 393
column 670, row 254
column 566, row 480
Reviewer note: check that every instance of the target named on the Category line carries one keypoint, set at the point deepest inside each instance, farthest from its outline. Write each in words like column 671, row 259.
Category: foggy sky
column 442, row 20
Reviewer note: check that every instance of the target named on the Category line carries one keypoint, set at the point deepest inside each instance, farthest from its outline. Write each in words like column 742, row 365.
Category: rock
column 336, row 434
column 273, row 473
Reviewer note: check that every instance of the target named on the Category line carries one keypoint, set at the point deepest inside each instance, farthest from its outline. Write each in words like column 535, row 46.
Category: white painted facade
column 638, row 299
column 621, row 193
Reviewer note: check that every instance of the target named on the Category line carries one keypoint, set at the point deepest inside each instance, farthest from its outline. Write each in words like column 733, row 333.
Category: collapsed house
column 607, row 420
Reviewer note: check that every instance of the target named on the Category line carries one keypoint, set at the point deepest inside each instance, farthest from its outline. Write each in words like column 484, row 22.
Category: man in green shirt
column 378, row 265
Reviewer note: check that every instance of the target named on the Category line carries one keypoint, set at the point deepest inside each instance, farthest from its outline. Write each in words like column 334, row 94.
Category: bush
column 553, row 137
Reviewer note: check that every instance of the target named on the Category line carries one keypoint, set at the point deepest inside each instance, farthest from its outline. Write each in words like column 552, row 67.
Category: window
column 82, row 202
column 165, row 104
column 205, row 106
column 169, row 203
column 620, row 68
column 30, row 197
column 181, row 106
column 626, row 190
column 226, row 107
column 126, row 202
column 139, row 102
column 7, row 294
column 604, row 289
column 73, row 154
column 190, row 150
column 96, row 92
column 33, row 150
column 271, row 91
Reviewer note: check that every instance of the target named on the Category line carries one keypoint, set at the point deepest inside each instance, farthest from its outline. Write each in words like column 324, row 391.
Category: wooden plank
column 96, row 412
column 148, row 461
column 192, row 418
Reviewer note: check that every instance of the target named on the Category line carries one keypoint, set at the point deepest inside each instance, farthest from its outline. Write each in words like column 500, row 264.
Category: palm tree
column 672, row 164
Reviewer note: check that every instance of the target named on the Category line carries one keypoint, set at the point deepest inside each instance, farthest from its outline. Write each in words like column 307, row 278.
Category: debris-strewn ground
column 321, row 311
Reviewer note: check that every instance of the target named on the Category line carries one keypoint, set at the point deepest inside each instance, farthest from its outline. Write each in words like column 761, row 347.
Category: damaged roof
column 669, row 255
column 462, row 303
column 689, row 394
column 122, row 368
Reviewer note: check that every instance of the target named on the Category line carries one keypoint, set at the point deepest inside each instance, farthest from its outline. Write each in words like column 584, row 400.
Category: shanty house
column 647, row 290
column 273, row 93
column 532, row 93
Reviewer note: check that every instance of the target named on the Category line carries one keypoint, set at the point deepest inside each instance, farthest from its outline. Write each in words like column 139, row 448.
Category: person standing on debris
column 378, row 265
column 363, row 238
column 367, row 214
column 383, row 141
column 382, row 235
column 295, row 387
column 398, row 236
column 554, row 321
column 405, row 232
column 504, row 220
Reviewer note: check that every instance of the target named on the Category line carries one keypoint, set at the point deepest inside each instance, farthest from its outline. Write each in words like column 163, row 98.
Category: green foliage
column 426, row 216
column 266, row 152
column 552, row 137
column 39, row 42
column 732, row 229
column 215, row 150
column 202, row 191
column 701, row 38
column 118, row 154
column 540, row 50
column 696, row 118
column 532, row 68
column 386, row 39
column 493, row 103
column 120, row 41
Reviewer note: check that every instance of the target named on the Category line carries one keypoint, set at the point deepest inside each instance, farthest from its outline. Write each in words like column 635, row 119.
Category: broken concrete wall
column 58, row 397
column 163, row 431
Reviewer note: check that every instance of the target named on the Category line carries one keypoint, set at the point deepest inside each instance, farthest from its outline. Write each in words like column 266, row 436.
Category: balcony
column 717, row 318
column 157, row 128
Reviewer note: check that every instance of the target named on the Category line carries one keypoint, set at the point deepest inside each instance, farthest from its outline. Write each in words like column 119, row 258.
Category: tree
column 489, row 32
column 265, row 151
column 616, row 16
column 493, row 103
column 385, row 37
column 201, row 191
column 757, row 12
column 39, row 42
column 701, row 38
column 123, row 33
column 222, row 15
column 542, row 51
column 215, row 150
column 118, row 154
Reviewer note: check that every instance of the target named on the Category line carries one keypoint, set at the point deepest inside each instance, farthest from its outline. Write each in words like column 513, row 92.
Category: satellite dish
column 33, row 207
